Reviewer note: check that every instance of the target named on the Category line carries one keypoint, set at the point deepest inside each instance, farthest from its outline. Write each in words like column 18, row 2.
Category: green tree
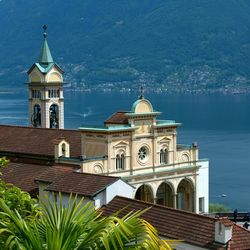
column 77, row 226
column 3, row 162
column 16, row 200
column 14, row 197
column 213, row 208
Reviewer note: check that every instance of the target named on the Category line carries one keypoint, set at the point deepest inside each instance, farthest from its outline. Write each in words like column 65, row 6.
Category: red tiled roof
column 38, row 141
column 73, row 182
column 172, row 223
column 117, row 118
column 53, row 173
column 240, row 238
column 226, row 222
column 22, row 175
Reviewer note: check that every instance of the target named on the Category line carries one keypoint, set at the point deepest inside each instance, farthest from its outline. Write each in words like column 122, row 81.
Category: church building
column 143, row 150
column 134, row 145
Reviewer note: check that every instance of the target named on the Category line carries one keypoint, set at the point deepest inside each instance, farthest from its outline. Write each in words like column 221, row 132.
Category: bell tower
column 45, row 86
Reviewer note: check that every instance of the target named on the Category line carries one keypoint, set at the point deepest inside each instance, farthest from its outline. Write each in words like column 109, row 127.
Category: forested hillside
column 172, row 44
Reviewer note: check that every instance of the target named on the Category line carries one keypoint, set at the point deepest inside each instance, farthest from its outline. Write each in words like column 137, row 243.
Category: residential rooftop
column 64, row 181
column 195, row 229
column 37, row 141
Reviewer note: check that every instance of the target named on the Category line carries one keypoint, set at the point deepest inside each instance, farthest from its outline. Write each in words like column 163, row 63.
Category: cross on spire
column 141, row 92
column 45, row 55
column 44, row 30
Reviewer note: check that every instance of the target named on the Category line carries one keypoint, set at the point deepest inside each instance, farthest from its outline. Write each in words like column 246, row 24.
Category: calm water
column 220, row 124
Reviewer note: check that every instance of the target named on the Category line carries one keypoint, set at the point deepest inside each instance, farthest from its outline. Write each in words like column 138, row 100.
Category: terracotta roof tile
column 240, row 238
column 193, row 228
column 225, row 221
column 169, row 222
column 38, row 141
column 53, row 173
column 22, row 175
column 74, row 182
column 117, row 118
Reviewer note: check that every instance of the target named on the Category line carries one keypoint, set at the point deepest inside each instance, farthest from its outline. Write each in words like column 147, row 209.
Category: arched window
column 63, row 149
column 163, row 156
column 54, row 116
column 120, row 162
column 36, row 117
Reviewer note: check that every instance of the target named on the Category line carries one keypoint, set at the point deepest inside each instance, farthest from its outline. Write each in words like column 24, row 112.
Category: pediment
column 164, row 140
column 121, row 144
column 59, row 141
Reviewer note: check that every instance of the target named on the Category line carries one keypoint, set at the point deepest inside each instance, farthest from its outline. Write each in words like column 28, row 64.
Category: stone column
column 175, row 200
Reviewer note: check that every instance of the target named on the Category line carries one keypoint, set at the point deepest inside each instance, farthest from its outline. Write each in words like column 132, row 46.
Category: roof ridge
column 29, row 127
column 107, row 176
column 240, row 227
column 165, row 207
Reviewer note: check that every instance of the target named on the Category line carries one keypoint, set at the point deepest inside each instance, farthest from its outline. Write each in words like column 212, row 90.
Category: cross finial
column 141, row 92
column 44, row 30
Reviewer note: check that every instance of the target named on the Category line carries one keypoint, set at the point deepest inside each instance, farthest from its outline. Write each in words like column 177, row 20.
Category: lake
column 219, row 123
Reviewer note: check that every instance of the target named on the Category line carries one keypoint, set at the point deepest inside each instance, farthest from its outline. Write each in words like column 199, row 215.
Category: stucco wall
column 119, row 188
column 203, row 185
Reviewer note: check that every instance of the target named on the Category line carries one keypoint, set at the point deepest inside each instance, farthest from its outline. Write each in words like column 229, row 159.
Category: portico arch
column 144, row 193
column 185, row 195
column 164, row 195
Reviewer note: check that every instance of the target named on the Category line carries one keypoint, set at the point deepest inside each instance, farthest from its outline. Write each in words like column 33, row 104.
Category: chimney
column 223, row 230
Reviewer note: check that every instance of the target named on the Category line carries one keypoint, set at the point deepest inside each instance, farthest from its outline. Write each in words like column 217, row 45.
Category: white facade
column 46, row 92
column 117, row 188
column 203, row 187
column 143, row 150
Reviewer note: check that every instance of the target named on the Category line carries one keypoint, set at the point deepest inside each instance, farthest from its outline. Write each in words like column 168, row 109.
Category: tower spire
column 46, row 102
column 45, row 55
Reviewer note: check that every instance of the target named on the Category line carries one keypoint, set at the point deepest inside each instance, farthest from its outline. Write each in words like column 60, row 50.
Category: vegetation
column 3, row 162
column 76, row 227
column 174, row 42
column 26, row 225
column 216, row 208
column 15, row 199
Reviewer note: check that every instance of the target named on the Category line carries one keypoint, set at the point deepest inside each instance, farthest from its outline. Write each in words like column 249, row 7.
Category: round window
column 143, row 154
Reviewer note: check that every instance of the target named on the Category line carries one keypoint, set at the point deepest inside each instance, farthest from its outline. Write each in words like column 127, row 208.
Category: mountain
column 168, row 44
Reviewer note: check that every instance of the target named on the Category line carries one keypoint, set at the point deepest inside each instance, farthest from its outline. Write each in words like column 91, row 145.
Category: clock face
column 143, row 154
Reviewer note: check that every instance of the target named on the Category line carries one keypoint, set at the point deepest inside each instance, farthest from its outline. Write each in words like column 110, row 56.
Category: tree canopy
column 76, row 226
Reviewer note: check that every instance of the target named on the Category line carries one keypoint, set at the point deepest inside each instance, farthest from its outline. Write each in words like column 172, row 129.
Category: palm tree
column 76, row 226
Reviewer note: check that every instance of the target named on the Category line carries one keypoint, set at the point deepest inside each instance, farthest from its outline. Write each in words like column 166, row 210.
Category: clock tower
column 45, row 85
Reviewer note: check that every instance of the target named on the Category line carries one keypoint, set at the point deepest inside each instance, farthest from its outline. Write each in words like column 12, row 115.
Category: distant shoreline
column 133, row 90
